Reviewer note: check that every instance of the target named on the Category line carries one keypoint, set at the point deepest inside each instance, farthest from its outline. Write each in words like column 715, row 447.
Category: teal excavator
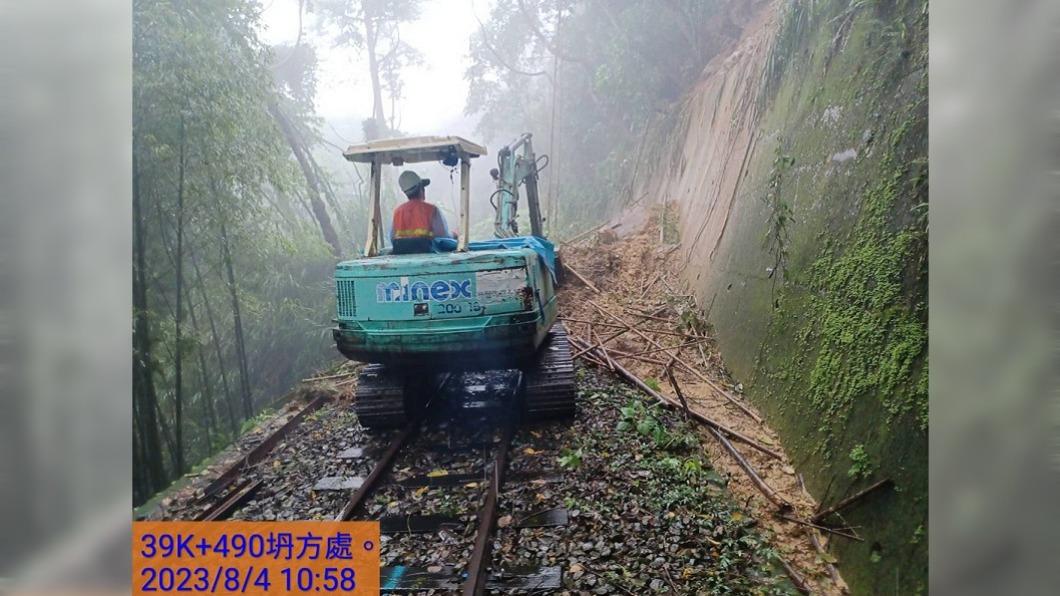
column 466, row 306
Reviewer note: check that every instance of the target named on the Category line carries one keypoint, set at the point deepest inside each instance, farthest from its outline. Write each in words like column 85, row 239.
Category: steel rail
column 478, row 565
column 386, row 460
column 379, row 470
column 239, row 497
column 259, row 451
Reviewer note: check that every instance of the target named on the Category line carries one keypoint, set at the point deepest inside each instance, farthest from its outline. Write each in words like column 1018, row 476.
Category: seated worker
column 417, row 223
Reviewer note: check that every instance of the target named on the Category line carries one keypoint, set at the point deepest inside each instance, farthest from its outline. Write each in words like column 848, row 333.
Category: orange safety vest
column 412, row 219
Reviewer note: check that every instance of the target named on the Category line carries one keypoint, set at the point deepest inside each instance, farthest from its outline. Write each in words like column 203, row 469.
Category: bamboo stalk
column 817, row 517
column 695, row 372
column 836, row 531
column 622, row 354
column 582, row 279
column 760, row 484
column 677, row 388
column 647, row 330
column 583, row 235
column 607, row 339
column 664, row 348
column 649, row 285
column 338, row 376
column 666, row 401
column 607, row 357
column 593, row 359
column 796, row 577
column 647, row 316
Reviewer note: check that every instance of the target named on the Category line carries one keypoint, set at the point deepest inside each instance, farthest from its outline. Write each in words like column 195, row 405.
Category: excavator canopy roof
column 413, row 150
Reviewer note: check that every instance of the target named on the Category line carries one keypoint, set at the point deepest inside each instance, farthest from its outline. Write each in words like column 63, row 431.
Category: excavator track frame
column 385, row 399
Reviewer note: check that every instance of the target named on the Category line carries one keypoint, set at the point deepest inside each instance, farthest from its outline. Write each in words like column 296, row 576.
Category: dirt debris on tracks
column 647, row 511
column 638, row 296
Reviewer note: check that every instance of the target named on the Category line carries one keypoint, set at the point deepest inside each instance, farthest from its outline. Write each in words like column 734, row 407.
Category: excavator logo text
column 437, row 291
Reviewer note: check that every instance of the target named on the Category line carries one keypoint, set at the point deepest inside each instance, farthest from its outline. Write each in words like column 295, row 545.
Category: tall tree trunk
column 300, row 151
column 204, row 378
column 216, row 345
column 371, row 37
column 145, row 397
column 205, row 386
column 178, row 393
column 241, row 351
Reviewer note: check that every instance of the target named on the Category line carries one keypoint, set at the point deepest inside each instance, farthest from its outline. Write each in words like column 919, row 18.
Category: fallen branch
column 817, row 517
column 649, row 285
column 582, row 278
column 338, row 376
column 677, row 388
column 664, row 348
column 832, row 571
column 593, row 359
column 597, row 345
column 607, row 357
column 587, row 233
column 760, row 484
column 648, row 330
column 796, row 577
column 647, row 316
column 695, row 372
column 668, row 402
column 622, row 354
column 836, row 531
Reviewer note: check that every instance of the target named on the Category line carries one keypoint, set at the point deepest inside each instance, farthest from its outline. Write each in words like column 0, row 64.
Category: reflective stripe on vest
column 412, row 219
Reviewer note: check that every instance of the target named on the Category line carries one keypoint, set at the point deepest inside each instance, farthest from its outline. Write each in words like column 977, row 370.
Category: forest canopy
column 239, row 213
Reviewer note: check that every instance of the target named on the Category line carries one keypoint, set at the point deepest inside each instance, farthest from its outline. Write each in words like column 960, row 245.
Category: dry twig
column 817, row 517
column 695, row 372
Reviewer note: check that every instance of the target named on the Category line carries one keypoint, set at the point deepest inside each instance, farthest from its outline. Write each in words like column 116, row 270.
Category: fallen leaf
column 437, row 473
column 504, row 522
column 419, row 491
column 530, row 451
column 576, row 568
column 471, row 485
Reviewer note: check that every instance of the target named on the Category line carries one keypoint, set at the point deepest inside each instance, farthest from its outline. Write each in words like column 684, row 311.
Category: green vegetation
column 262, row 416
column 777, row 235
column 591, row 79
column 664, row 471
column 570, row 459
column 861, row 466
column 832, row 340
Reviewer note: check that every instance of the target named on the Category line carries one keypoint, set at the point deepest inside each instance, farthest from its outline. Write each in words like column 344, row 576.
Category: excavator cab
column 490, row 304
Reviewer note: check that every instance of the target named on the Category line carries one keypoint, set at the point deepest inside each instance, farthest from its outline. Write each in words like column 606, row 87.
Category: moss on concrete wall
column 818, row 284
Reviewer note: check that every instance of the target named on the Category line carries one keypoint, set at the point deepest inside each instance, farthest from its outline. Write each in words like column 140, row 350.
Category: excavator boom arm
column 517, row 165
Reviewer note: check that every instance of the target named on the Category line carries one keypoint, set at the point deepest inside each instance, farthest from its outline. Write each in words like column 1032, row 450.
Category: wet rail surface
column 437, row 486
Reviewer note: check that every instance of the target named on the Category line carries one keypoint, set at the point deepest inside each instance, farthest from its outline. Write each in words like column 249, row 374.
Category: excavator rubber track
column 550, row 388
column 380, row 398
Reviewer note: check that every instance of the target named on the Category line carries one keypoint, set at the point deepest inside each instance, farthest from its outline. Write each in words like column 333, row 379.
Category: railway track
column 493, row 404
column 468, row 423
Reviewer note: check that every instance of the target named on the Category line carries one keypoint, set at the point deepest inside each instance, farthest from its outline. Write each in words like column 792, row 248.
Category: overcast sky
column 434, row 92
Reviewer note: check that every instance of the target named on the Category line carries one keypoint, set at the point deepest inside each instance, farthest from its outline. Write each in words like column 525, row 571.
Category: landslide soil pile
column 625, row 295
